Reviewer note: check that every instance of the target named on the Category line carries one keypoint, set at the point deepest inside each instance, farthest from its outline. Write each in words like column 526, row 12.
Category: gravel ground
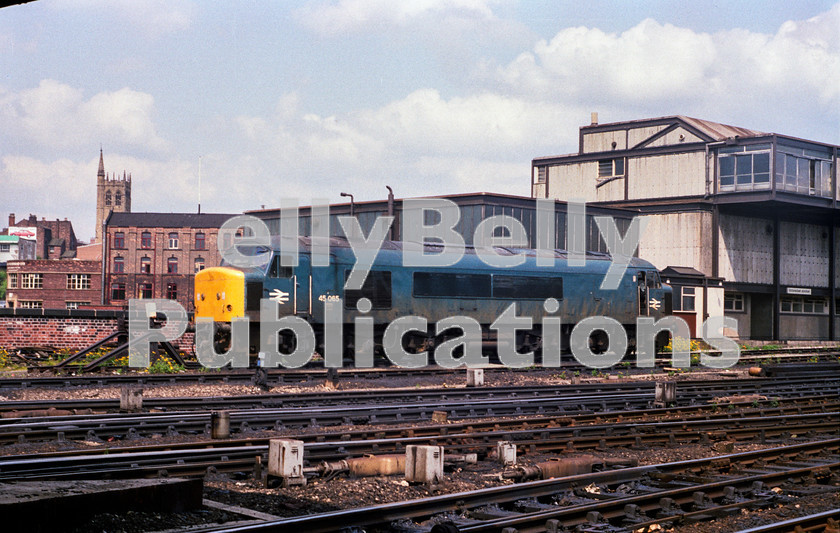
column 457, row 380
column 320, row 496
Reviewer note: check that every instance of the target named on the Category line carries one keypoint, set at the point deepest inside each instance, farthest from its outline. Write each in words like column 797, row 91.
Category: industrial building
column 742, row 222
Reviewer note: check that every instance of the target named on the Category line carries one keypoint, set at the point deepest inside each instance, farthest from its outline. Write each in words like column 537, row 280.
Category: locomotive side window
column 527, row 287
column 277, row 270
column 451, row 285
column 376, row 288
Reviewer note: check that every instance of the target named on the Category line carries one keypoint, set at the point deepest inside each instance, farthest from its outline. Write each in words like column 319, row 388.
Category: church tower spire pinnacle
column 101, row 173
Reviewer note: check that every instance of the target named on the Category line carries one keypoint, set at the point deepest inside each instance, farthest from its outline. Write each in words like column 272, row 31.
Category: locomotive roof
column 305, row 244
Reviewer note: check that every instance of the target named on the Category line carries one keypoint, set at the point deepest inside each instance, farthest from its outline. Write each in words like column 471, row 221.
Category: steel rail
column 763, row 408
column 701, row 389
column 384, row 514
column 129, row 425
column 803, row 522
column 145, row 462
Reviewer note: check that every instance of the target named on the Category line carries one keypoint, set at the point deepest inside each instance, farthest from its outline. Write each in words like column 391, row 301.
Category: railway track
column 623, row 500
column 699, row 390
column 109, row 375
column 535, row 435
column 406, row 406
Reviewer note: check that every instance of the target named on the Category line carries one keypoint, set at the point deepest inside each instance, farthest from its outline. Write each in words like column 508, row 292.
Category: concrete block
column 506, row 452
column 131, row 399
column 423, row 464
column 285, row 461
column 475, row 377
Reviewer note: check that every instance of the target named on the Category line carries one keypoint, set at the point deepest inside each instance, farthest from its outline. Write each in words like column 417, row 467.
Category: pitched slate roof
column 167, row 220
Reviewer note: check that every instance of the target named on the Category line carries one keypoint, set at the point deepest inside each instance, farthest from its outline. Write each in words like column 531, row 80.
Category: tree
column 2, row 284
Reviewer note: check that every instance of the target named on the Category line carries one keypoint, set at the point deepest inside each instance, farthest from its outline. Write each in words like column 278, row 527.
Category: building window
column 144, row 290
column 119, row 265
column 608, row 168
column 733, row 301
column 146, row 240
column 30, row 304
column 801, row 174
column 76, row 305
column 172, row 291
column 685, row 301
column 199, row 264
column 5, row 247
column 13, row 281
column 542, row 174
column 31, row 281
column 119, row 240
column 172, row 265
column 173, row 240
column 804, row 305
column 118, row 200
column 200, row 241
column 744, row 168
column 78, row 281
column 118, row 291
column 108, row 198
column 145, row 265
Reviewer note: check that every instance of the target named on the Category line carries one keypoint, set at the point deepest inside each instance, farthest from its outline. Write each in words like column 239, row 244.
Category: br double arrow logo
column 279, row 296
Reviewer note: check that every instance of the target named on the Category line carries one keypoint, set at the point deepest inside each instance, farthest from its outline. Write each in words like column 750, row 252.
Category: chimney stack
column 11, row 219
column 594, row 118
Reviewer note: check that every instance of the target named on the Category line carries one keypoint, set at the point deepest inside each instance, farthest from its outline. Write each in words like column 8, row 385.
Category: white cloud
column 57, row 115
column 660, row 66
column 351, row 16
column 154, row 18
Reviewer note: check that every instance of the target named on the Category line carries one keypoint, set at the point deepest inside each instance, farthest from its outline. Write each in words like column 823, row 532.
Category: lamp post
column 352, row 205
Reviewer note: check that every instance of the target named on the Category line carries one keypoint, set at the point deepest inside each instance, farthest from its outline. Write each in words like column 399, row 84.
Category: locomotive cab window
column 527, row 287
column 279, row 271
column 376, row 288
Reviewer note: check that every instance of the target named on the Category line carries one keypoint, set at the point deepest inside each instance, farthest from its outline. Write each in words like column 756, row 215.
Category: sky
column 266, row 100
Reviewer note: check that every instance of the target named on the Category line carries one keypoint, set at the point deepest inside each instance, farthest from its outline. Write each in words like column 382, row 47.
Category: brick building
column 156, row 255
column 54, row 239
column 45, row 284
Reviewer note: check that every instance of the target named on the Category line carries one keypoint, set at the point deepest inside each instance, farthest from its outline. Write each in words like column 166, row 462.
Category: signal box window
column 687, row 299
column 376, row 288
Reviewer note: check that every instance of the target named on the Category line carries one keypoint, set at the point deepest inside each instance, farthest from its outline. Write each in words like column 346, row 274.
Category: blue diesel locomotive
column 469, row 287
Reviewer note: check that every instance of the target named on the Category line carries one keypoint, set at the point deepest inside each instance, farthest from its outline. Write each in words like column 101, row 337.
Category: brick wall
column 72, row 330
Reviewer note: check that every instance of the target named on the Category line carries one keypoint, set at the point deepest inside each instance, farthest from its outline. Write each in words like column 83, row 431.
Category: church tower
column 113, row 193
